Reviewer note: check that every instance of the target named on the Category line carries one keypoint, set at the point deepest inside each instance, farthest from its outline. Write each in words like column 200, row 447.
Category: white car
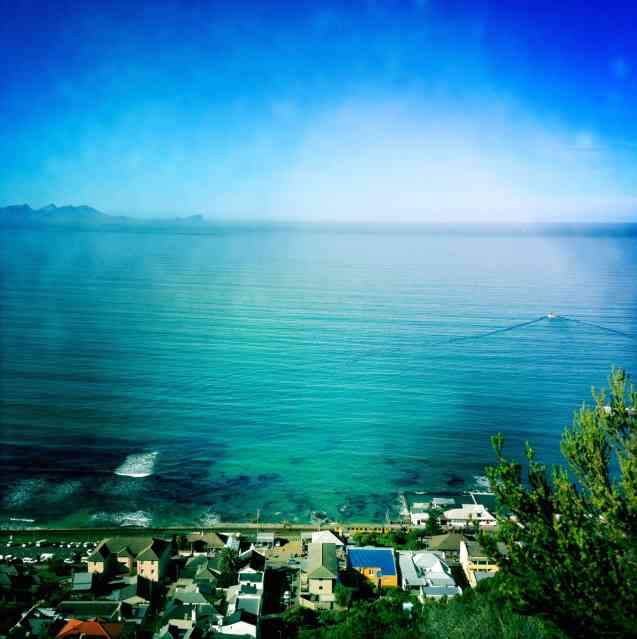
column 29, row 560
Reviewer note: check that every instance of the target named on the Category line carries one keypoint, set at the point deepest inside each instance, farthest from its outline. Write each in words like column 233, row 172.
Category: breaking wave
column 482, row 482
column 139, row 465
column 137, row 518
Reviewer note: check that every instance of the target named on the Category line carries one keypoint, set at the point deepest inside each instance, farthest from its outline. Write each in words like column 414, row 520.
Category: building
column 102, row 560
column 87, row 610
column 326, row 537
column 77, row 628
column 475, row 562
column 447, row 546
column 153, row 561
column 427, row 574
column 239, row 623
column 468, row 515
column 265, row 539
column 319, row 577
column 201, row 543
column 378, row 565
column 150, row 555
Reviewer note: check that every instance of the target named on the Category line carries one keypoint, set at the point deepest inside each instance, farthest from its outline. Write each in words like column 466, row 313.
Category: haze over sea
column 163, row 378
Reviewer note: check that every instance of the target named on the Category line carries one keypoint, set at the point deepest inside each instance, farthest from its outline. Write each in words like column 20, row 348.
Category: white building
column 426, row 573
column 469, row 514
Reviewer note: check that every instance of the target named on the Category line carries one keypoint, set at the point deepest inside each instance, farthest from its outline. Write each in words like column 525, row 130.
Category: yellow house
column 378, row 565
column 475, row 562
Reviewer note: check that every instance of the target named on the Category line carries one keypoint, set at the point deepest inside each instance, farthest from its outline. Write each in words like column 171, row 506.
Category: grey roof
column 209, row 539
column 82, row 581
column 241, row 615
column 446, row 543
column 252, row 577
column 188, row 597
column 89, row 609
column 154, row 551
column 249, row 604
column 322, row 563
column 100, row 553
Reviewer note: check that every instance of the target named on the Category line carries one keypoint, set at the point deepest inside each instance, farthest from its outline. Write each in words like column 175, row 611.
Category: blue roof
column 382, row 558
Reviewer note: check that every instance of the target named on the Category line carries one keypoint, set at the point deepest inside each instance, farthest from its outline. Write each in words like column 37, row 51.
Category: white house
column 467, row 515
column 239, row 623
column 426, row 573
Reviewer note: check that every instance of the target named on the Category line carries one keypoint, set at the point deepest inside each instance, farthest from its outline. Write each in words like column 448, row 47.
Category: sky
column 394, row 111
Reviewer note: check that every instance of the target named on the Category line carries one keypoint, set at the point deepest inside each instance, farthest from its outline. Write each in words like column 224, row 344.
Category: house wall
column 149, row 570
column 321, row 586
column 385, row 581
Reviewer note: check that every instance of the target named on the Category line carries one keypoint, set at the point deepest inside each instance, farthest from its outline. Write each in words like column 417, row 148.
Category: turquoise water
column 289, row 370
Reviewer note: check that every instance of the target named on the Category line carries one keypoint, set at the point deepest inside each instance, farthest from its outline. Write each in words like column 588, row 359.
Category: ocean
column 157, row 378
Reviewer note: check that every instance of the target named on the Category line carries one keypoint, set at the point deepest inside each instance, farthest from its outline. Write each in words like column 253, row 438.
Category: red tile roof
column 93, row 628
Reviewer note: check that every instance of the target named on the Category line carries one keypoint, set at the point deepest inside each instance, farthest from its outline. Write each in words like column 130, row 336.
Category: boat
column 551, row 315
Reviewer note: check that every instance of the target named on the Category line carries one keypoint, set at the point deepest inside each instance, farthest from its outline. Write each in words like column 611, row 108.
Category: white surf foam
column 482, row 482
column 25, row 492
column 208, row 518
column 137, row 518
column 139, row 465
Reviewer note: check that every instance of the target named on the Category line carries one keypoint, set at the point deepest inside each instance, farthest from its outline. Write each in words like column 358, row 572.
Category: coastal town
column 235, row 583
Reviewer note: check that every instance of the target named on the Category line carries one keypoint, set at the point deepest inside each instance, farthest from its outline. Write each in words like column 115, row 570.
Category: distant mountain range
column 86, row 217
column 22, row 215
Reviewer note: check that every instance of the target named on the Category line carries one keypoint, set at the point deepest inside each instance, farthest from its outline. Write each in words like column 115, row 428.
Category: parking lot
column 33, row 552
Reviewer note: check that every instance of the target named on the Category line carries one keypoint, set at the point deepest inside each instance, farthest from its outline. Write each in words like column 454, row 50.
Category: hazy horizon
column 411, row 112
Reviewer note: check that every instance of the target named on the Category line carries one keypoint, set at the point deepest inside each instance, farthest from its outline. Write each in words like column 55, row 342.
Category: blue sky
column 423, row 110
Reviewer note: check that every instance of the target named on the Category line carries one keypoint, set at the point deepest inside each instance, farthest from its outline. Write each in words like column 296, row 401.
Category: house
column 240, row 623
column 201, row 572
column 468, row 515
column 87, row 610
column 38, row 622
column 102, row 560
column 150, row 555
column 319, row 577
column 426, row 574
column 249, row 598
column 475, row 562
column 233, row 543
column 93, row 628
column 251, row 561
column 326, row 537
column 265, row 539
column 447, row 546
column 205, row 542
column 378, row 565
column 188, row 605
column 153, row 561
column 82, row 584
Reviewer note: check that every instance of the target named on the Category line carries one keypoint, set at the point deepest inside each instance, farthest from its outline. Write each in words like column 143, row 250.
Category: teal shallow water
column 289, row 370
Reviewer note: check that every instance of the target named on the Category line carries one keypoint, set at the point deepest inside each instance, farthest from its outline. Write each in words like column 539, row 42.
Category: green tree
column 568, row 541
column 432, row 525
column 229, row 567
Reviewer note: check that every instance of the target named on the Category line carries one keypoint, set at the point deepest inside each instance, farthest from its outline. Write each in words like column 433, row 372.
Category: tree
column 229, row 567
column 432, row 525
column 568, row 550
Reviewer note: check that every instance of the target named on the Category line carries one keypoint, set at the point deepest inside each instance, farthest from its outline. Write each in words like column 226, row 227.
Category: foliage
column 298, row 618
column 229, row 567
column 408, row 540
column 432, row 525
column 478, row 613
column 569, row 553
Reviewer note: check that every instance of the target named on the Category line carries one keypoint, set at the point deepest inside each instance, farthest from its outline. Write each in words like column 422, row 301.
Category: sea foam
column 139, row 465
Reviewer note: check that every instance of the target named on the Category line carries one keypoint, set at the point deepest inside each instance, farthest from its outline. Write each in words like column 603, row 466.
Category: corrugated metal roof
column 368, row 557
